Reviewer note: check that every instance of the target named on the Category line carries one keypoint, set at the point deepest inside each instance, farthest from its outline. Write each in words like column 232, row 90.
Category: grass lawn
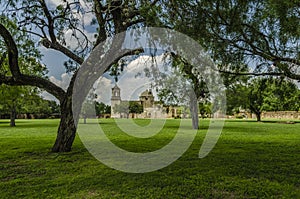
column 250, row 160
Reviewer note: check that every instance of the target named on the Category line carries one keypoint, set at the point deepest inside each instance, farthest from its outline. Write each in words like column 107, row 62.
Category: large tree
column 49, row 24
column 272, row 94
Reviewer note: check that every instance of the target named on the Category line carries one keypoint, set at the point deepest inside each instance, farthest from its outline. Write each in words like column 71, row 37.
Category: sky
column 130, row 83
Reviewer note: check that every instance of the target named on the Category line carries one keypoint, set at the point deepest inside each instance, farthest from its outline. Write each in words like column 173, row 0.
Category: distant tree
column 24, row 100
column 135, row 107
column 54, row 107
column 11, row 101
column 236, row 97
column 205, row 109
column 183, row 88
column 272, row 94
column 123, row 107
column 102, row 108
column 256, row 96
column 126, row 107
column 281, row 95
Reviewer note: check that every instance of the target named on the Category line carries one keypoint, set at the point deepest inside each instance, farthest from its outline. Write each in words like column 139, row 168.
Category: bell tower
column 115, row 99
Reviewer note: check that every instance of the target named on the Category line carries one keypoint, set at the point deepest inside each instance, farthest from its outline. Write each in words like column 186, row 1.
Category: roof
column 116, row 87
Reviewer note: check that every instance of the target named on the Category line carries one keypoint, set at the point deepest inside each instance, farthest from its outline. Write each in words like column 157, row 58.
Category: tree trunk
column 84, row 119
column 13, row 117
column 194, row 111
column 67, row 128
column 258, row 116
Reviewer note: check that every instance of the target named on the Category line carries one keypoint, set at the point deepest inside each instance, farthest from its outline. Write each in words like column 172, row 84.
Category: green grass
column 250, row 160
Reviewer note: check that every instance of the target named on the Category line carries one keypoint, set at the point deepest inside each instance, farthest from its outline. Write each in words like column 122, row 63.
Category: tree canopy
column 263, row 36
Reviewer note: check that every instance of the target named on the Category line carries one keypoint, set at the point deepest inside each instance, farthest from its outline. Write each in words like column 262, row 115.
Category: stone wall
column 281, row 115
column 270, row 115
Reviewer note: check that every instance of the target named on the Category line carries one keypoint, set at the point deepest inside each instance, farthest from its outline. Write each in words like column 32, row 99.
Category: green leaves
column 251, row 32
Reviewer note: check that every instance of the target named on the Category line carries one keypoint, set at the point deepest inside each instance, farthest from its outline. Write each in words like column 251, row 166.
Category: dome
column 146, row 93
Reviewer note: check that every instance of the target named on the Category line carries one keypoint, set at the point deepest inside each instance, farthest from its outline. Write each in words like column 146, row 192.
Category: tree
column 123, row 107
column 17, row 98
column 182, row 87
column 256, row 97
column 236, row 97
column 261, row 34
column 11, row 101
column 269, row 94
column 135, row 107
column 126, row 107
column 50, row 23
column 102, row 108
column 205, row 109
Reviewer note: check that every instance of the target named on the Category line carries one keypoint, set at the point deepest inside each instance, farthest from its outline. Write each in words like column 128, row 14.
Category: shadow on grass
column 264, row 121
column 30, row 123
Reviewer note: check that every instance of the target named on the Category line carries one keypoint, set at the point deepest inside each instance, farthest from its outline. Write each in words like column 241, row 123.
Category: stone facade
column 281, row 115
column 115, row 99
column 272, row 115
column 151, row 108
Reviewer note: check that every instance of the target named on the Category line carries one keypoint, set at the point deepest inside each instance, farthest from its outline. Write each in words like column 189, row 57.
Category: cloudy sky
column 132, row 81
column 130, row 84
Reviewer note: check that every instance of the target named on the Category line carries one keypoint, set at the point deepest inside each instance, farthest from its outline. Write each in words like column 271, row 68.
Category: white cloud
column 103, row 90
column 132, row 85
column 48, row 96
column 64, row 82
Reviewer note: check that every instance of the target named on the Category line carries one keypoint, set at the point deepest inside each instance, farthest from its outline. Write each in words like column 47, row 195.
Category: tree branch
column 251, row 74
column 102, row 36
column 19, row 79
column 12, row 51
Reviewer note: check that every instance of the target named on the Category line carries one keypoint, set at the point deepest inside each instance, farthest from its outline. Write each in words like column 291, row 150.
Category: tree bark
column 258, row 116
column 194, row 111
column 13, row 117
column 84, row 119
column 67, row 128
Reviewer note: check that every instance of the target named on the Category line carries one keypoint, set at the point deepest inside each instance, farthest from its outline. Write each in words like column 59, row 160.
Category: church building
column 151, row 108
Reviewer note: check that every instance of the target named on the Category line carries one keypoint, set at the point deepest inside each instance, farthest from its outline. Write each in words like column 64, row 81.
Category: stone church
column 151, row 108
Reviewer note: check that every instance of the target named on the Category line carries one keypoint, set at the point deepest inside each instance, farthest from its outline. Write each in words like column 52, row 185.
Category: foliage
column 236, row 97
column 135, row 107
column 273, row 94
column 102, row 108
column 128, row 107
column 263, row 35
column 25, row 100
column 263, row 94
column 205, row 109
column 20, row 98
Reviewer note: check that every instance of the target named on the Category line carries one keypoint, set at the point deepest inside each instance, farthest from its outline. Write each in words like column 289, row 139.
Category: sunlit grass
column 250, row 160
